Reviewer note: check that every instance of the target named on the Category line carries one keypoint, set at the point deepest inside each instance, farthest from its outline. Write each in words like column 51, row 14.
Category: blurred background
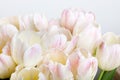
column 107, row 11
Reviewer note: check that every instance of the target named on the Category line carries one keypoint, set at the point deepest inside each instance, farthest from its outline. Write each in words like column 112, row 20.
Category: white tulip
column 34, row 22
column 40, row 22
column 7, row 66
column 26, row 74
column 7, row 31
column 108, row 52
column 74, row 18
column 60, row 72
column 26, row 48
column 82, row 65
column 56, row 38
column 90, row 38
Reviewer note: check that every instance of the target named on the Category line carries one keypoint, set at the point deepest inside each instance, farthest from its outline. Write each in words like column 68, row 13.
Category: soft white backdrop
column 107, row 11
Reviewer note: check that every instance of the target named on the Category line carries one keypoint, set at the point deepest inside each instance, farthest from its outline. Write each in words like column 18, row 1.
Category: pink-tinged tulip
column 7, row 31
column 26, row 48
column 75, row 17
column 60, row 72
column 82, row 65
column 56, row 38
column 108, row 52
column 82, row 22
column 87, row 69
column 90, row 38
column 70, row 46
column 34, row 22
column 40, row 22
column 7, row 66
column 32, row 55
column 26, row 23
column 28, row 73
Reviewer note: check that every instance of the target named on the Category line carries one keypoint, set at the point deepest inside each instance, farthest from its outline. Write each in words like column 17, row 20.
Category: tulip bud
column 71, row 45
column 75, row 18
column 108, row 52
column 34, row 22
column 56, row 38
column 7, row 31
column 69, row 18
column 60, row 72
column 87, row 69
column 25, row 74
column 26, row 23
column 82, row 65
column 40, row 22
column 90, row 38
column 26, row 49
column 7, row 66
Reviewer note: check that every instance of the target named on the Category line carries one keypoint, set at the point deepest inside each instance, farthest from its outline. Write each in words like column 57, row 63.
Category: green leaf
column 108, row 75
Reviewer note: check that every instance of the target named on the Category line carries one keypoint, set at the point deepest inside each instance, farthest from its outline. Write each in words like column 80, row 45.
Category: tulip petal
column 7, row 66
column 59, row 72
column 87, row 69
column 40, row 22
column 32, row 55
column 25, row 74
column 89, row 38
column 108, row 52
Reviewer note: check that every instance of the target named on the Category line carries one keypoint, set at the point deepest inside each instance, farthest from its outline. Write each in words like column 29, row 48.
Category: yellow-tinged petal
column 56, row 56
column 7, row 66
column 21, row 42
column 7, row 31
column 26, row 74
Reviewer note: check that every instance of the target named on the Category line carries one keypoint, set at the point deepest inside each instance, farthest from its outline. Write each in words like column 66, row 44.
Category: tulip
column 70, row 46
column 87, row 69
column 40, row 22
column 25, row 74
column 7, row 66
column 26, row 22
column 13, row 20
column 108, row 52
column 34, row 22
column 60, row 72
column 75, row 17
column 56, row 38
column 90, row 38
column 7, row 31
column 82, row 65
column 26, row 48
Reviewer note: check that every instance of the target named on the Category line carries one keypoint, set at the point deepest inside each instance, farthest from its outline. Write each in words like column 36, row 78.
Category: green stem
column 101, row 74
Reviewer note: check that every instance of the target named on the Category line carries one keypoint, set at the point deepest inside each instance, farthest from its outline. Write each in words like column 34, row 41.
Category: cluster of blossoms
column 69, row 48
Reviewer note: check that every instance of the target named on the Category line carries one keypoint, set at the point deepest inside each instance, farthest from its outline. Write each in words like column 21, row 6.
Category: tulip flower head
column 108, row 52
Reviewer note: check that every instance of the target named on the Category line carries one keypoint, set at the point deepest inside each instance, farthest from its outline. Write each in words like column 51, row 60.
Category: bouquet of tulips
column 71, row 47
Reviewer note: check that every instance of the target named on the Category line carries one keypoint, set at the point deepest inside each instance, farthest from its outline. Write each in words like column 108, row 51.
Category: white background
column 107, row 11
